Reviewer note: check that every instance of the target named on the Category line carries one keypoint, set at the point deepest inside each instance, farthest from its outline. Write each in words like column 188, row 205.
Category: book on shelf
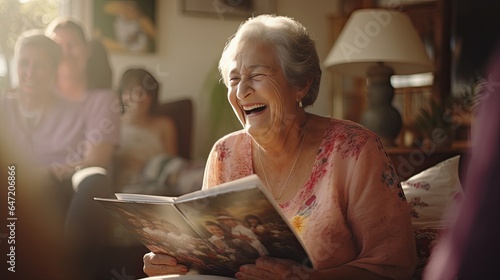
column 212, row 231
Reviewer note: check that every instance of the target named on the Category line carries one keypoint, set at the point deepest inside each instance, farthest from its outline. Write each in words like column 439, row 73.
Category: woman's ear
column 302, row 92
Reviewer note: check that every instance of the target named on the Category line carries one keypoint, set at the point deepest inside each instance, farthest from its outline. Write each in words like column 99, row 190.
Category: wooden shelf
column 411, row 161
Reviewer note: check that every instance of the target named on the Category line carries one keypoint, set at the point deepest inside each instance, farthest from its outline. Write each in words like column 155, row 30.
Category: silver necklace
column 291, row 170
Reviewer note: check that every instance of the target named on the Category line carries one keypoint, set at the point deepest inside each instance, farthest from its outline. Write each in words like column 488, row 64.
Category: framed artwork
column 240, row 9
column 125, row 26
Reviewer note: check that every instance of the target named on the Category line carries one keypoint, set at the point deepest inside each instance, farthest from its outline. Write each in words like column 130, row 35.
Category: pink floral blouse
column 351, row 211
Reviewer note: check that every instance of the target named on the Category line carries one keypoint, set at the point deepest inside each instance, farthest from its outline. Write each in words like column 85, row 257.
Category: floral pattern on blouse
column 350, row 211
column 299, row 221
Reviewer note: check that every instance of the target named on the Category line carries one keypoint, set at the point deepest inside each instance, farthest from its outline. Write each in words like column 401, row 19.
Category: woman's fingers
column 272, row 268
column 160, row 259
column 160, row 264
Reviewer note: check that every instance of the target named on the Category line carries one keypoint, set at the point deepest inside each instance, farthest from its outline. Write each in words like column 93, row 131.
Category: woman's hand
column 272, row 268
column 161, row 264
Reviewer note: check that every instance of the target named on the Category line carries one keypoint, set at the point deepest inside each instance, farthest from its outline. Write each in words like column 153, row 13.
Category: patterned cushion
column 432, row 193
column 426, row 239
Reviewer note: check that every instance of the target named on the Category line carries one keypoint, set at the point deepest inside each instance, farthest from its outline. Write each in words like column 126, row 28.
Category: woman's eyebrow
column 253, row 67
column 250, row 68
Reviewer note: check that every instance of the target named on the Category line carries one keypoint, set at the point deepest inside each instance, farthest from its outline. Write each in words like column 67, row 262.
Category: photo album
column 212, row 231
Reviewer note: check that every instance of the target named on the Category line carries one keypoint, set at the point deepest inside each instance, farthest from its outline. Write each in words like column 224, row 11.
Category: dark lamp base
column 381, row 117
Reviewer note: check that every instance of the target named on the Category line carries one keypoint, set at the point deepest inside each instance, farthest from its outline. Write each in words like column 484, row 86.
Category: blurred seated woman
column 84, row 68
column 143, row 133
column 98, row 103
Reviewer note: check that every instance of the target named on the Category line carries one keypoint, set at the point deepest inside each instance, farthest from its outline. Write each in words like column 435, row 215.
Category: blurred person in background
column 73, row 85
column 144, row 134
column 61, row 140
column 96, row 125
column 471, row 249
column 36, row 236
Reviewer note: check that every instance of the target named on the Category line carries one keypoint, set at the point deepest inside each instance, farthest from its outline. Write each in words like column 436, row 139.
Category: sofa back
column 181, row 111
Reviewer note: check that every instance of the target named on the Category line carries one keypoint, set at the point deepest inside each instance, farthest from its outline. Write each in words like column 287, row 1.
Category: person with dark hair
column 85, row 66
column 143, row 133
column 258, row 227
column 73, row 85
column 255, row 224
column 332, row 178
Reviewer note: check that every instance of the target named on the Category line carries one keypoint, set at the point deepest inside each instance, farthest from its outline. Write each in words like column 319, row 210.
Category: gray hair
column 37, row 39
column 295, row 49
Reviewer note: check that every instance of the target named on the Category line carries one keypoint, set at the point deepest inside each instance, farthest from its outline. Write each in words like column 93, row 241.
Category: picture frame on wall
column 238, row 9
column 125, row 26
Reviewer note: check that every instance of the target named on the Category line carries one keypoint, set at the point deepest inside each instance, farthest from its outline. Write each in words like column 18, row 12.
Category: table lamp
column 379, row 43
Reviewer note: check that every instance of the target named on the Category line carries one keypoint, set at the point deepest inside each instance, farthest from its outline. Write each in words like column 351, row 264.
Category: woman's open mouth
column 249, row 110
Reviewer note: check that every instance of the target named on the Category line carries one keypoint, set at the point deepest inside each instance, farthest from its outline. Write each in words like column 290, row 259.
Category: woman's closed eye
column 234, row 80
column 256, row 77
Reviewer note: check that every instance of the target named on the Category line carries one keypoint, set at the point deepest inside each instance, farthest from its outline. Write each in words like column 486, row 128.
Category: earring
column 300, row 103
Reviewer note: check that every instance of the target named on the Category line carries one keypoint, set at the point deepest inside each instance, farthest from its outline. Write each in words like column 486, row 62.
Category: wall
column 189, row 48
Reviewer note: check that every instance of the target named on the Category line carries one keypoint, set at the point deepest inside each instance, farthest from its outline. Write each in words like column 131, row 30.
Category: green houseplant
column 435, row 124
column 220, row 118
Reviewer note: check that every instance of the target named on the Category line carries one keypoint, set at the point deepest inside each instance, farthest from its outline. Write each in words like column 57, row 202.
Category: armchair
column 181, row 111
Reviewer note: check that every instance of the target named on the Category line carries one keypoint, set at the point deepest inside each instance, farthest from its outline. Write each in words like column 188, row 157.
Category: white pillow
column 433, row 193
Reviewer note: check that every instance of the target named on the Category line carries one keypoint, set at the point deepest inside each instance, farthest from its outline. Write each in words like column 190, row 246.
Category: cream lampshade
column 379, row 43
